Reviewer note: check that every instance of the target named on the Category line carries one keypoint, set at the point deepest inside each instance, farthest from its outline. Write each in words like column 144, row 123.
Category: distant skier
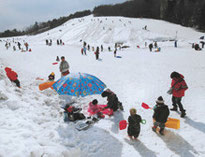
column 115, row 52
column 84, row 50
column 19, row 45
column 97, row 52
column 150, row 47
column 109, row 49
column 26, row 45
column 178, row 88
column 101, row 48
column 202, row 44
column 14, row 48
column 134, row 124
column 50, row 44
column 175, row 43
column 57, row 42
column 155, row 44
column 88, row 47
column 161, row 113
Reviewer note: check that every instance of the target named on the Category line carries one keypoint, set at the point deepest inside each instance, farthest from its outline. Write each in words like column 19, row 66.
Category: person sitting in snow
column 73, row 113
column 95, row 109
column 112, row 99
column 51, row 77
column 161, row 113
column 12, row 75
column 134, row 124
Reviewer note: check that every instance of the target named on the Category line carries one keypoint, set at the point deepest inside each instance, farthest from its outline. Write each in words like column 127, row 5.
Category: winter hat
column 175, row 74
column 104, row 94
column 7, row 69
column 160, row 100
column 53, row 73
column 94, row 102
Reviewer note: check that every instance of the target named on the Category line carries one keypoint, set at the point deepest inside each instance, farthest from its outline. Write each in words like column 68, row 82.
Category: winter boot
column 154, row 129
column 174, row 109
column 183, row 114
column 161, row 131
column 120, row 106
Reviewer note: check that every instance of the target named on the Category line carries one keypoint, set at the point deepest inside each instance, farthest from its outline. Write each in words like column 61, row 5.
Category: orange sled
column 173, row 123
column 46, row 85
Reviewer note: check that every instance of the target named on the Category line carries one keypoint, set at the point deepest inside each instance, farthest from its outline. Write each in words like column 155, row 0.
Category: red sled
column 107, row 111
column 55, row 63
column 145, row 106
column 123, row 124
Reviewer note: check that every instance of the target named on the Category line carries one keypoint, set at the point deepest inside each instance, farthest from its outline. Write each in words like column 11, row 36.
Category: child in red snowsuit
column 12, row 75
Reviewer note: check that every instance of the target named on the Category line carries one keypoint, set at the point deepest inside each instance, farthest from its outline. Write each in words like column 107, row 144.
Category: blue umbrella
column 79, row 84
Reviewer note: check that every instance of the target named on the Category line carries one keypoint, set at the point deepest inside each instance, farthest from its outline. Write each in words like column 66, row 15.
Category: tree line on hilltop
column 189, row 13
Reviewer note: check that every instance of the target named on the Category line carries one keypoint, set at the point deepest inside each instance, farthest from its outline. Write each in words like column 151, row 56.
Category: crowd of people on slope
column 49, row 42
column 17, row 45
column 86, row 47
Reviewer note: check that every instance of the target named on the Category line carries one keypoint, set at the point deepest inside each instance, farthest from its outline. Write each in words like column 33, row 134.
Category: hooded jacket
column 11, row 74
column 180, row 87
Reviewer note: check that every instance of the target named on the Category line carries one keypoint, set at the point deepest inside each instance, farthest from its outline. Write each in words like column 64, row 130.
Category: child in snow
column 51, row 77
column 72, row 113
column 161, row 113
column 134, row 124
column 94, row 108
column 12, row 75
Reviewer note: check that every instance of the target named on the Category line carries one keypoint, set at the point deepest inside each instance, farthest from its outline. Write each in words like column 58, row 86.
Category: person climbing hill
column 12, row 75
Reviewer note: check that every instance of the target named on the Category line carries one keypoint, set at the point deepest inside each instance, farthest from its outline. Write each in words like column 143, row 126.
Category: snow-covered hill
column 32, row 121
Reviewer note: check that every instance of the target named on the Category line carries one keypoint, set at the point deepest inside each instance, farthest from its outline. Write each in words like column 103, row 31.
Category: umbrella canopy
column 79, row 84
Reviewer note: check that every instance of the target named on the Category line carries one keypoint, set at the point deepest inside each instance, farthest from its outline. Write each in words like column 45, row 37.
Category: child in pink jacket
column 94, row 108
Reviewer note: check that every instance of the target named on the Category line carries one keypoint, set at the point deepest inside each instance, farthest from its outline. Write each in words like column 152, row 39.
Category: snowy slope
column 32, row 121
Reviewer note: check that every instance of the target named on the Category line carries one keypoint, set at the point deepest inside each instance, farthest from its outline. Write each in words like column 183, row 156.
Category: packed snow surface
column 32, row 121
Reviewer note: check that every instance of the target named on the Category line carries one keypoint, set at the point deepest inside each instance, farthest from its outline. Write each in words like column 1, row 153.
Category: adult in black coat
column 111, row 98
column 134, row 124
column 161, row 113
column 150, row 47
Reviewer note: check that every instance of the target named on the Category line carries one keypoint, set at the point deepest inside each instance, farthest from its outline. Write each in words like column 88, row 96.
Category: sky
column 23, row 13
